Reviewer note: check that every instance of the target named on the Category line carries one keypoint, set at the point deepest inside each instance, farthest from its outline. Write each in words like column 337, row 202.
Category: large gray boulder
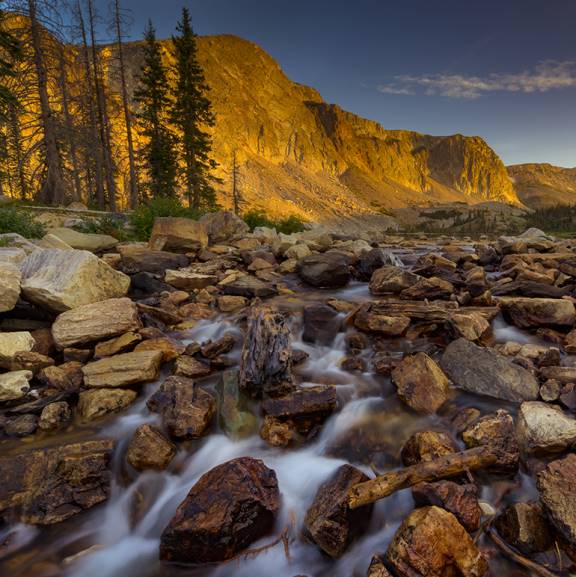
column 178, row 235
column 483, row 371
column 84, row 241
column 10, row 278
column 223, row 226
column 60, row 280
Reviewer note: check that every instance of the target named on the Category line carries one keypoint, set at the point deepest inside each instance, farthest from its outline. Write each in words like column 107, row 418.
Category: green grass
column 14, row 219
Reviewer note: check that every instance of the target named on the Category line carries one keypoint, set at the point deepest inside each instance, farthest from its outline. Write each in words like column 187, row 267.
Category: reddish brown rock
column 150, row 449
column 427, row 446
column 230, row 507
column 187, row 366
column 525, row 527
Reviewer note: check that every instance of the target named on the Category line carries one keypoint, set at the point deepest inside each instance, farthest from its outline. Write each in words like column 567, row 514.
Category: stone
column 278, row 433
column 538, row 312
column 214, row 349
column 12, row 255
column 372, row 260
column 313, row 404
column 67, row 377
column 385, row 325
column 483, row 371
column 223, row 226
column 21, row 426
column 116, row 345
column 329, row 270
column 432, row 543
column 122, row 370
column 178, row 235
column 259, row 264
column 460, row 500
column 297, row 251
column 550, row 390
column 427, row 446
column 543, row 428
column 321, row 324
column 60, row 280
column 84, row 241
column 557, row 487
column 14, row 385
column 140, row 259
column 391, row 280
column 421, row 384
column 98, row 403
column 330, row 523
column 169, row 348
column 377, row 568
column 30, row 361
column 187, row 366
column 429, row 288
column 150, row 449
column 249, row 287
column 233, row 415
column 230, row 507
column 47, row 486
column 187, row 411
column 54, row 416
column 188, row 280
column 470, row 326
column 231, row 304
column 95, row 322
column 12, row 343
column 525, row 527
column 10, row 278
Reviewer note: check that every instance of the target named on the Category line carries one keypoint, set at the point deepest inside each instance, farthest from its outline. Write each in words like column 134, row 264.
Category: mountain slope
column 300, row 154
column 542, row 185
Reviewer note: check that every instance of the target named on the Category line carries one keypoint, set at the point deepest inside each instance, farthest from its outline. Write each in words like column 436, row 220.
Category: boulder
column 428, row 288
column 188, row 280
column 557, row 487
column 84, row 241
column 483, row 371
column 122, row 370
column 55, row 416
column 178, row 235
column 14, row 385
column 391, row 279
column 427, row 446
column 187, row 410
column 372, row 260
column 525, row 527
column 117, row 345
column 329, row 270
column 330, row 522
column 223, row 226
column 95, row 322
column 12, row 255
column 421, row 384
column 140, row 259
column 537, row 312
column 60, row 280
column 386, row 325
column 12, row 343
column 321, row 324
column 297, row 251
column 231, row 304
column 432, row 543
column 97, row 403
column 170, row 348
column 249, row 287
column 47, row 486
column 21, row 425
column 30, row 361
column 470, row 326
column 230, row 507
column 187, row 366
column 543, row 428
column 10, row 278
column 150, row 449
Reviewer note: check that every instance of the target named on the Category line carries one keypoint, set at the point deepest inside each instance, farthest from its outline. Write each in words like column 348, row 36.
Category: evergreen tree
column 191, row 114
column 153, row 100
column 9, row 54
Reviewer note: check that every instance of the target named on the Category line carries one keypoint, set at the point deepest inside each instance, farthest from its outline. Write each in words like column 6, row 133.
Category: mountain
column 542, row 185
column 299, row 154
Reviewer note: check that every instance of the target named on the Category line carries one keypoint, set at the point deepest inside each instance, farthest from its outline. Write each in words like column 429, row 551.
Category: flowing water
column 121, row 537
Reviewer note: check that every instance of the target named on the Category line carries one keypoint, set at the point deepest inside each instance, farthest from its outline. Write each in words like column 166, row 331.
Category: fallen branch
column 435, row 470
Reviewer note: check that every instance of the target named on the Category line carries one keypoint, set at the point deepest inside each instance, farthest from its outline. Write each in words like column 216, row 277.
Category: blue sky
column 504, row 70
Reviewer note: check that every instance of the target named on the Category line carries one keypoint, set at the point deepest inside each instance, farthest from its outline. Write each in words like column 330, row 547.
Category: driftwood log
column 442, row 468
column 266, row 365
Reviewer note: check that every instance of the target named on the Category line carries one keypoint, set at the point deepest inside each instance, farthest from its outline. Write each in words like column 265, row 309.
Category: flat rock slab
column 97, row 403
column 47, row 486
column 122, row 370
column 84, row 241
column 483, row 371
column 178, row 235
column 95, row 322
column 60, row 280
column 537, row 312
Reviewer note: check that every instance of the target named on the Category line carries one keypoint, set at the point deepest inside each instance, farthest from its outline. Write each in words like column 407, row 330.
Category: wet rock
column 312, row 404
column 230, row 507
column 321, row 324
column 67, row 377
column 432, row 543
column 429, row 288
column 470, row 326
column 537, row 312
column 59, row 280
column 231, row 304
column 563, row 375
column 95, row 322
column 387, row 325
column 55, row 416
column 84, row 241
column 557, row 487
column 543, row 428
column 525, row 527
column 150, row 449
column 117, row 345
column 124, row 369
column 427, row 446
column 391, row 279
column 372, row 260
column 30, row 361
column 213, row 349
column 187, row 366
column 329, row 522
column 14, row 385
column 47, row 486
column 169, row 348
column 249, row 287
column 12, row 343
column 189, row 280
column 460, row 500
column 234, row 418
column 187, row 410
column 21, row 426
column 483, row 371
column 10, row 277
column 550, row 390
column 377, row 568
column 421, row 384
column 97, row 403
column 139, row 260
column 223, row 226
column 328, row 270
column 178, row 235
column 278, row 433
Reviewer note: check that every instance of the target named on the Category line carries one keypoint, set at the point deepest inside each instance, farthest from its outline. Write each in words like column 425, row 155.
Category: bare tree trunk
column 235, row 197
column 127, row 115
column 53, row 187
column 16, row 137
column 102, row 113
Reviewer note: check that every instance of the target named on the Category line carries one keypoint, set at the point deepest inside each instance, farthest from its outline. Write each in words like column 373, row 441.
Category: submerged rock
column 230, row 507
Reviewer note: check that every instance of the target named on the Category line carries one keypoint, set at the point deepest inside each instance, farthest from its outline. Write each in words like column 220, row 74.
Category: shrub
column 142, row 219
column 110, row 225
column 14, row 219
column 256, row 217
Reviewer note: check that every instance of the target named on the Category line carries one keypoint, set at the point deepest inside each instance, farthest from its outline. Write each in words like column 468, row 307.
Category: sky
column 501, row 69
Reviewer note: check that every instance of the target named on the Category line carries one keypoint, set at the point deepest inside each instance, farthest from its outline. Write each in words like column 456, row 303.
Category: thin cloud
column 546, row 76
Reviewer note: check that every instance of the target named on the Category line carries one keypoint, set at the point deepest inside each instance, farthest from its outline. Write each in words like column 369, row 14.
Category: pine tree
column 9, row 53
column 191, row 114
column 153, row 100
